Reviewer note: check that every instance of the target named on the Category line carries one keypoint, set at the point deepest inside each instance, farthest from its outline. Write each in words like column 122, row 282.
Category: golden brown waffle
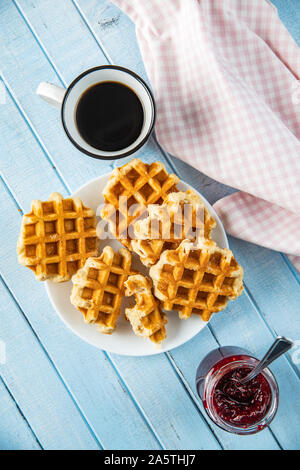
column 57, row 237
column 98, row 288
column 182, row 216
column 146, row 318
column 138, row 185
column 198, row 279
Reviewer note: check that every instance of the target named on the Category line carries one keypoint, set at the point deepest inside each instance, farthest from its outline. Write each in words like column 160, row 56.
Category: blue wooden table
column 56, row 392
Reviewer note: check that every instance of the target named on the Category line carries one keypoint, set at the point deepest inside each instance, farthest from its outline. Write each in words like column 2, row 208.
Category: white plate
column 123, row 340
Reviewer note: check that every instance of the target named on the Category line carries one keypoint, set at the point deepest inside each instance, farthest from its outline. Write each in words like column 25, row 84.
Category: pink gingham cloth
column 225, row 75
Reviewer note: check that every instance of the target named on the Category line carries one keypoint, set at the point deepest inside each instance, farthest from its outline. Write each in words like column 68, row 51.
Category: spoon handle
column 279, row 347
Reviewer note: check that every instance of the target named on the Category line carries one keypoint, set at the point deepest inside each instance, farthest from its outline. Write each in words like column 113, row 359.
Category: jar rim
column 214, row 376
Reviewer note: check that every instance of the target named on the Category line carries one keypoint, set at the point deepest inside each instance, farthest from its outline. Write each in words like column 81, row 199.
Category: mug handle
column 52, row 94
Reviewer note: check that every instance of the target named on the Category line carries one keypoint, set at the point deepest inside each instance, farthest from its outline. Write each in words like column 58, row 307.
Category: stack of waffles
column 168, row 229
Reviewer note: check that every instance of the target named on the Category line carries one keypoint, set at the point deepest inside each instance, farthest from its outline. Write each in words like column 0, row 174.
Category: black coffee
column 109, row 116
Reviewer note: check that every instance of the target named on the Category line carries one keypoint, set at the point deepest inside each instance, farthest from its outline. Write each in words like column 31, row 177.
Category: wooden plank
column 17, row 140
column 110, row 38
column 202, row 440
column 29, row 375
column 155, row 385
column 27, row 65
column 95, row 386
column 186, row 363
column 24, row 65
column 273, row 289
column 15, row 433
column 111, row 28
column 240, row 325
column 272, row 286
column 289, row 13
column 87, row 373
column 137, row 386
column 203, row 437
column 251, row 333
column 211, row 189
column 140, row 389
column 186, row 359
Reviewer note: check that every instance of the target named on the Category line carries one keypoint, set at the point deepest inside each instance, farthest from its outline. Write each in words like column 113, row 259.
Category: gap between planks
column 16, row 403
column 54, row 68
column 2, row 280
column 48, row 156
column 174, row 168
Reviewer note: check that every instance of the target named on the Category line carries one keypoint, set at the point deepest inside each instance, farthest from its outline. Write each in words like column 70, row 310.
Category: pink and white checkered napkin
column 225, row 75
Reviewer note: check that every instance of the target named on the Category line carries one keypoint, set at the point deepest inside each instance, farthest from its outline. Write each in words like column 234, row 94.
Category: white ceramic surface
column 123, row 340
column 68, row 100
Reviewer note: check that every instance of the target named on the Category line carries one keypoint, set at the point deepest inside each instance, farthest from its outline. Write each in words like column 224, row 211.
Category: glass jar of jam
column 237, row 408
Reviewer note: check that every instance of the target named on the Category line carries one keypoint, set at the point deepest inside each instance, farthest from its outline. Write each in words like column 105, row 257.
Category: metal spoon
column 280, row 346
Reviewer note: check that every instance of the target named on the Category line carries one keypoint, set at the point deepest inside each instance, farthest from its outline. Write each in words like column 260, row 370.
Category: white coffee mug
column 67, row 99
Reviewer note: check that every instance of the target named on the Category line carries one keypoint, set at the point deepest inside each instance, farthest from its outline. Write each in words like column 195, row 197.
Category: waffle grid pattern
column 182, row 216
column 197, row 281
column 57, row 237
column 98, row 288
column 130, row 190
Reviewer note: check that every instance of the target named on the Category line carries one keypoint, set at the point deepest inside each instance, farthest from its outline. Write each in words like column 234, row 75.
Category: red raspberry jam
column 240, row 409
column 240, row 404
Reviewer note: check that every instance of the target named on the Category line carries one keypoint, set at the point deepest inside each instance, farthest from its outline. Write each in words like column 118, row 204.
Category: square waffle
column 129, row 191
column 197, row 278
column 146, row 318
column 98, row 288
column 57, row 237
column 182, row 216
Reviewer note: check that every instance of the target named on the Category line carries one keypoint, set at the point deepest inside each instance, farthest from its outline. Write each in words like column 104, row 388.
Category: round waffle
column 130, row 189
column 197, row 278
column 57, row 237
column 98, row 288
